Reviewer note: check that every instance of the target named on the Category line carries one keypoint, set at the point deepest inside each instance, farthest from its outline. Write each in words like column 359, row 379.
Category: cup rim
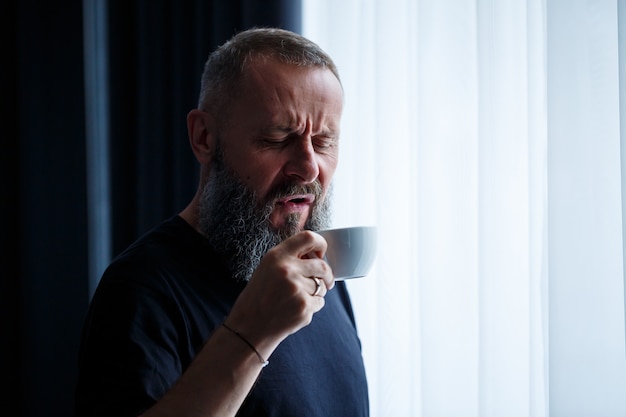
column 346, row 228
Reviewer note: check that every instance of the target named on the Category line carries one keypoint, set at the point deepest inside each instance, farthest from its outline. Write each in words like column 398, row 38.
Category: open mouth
column 299, row 199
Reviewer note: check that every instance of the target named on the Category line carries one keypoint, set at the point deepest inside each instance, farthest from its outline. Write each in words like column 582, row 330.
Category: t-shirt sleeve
column 128, row 356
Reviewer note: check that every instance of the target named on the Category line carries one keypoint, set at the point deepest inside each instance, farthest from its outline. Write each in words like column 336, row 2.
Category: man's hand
column 278, row 300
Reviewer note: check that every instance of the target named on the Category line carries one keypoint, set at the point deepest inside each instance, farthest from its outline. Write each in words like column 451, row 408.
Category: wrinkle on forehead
column 315, row 101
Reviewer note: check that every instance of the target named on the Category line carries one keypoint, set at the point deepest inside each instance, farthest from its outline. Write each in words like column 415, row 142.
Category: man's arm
column 217, row 381
column 276, row 302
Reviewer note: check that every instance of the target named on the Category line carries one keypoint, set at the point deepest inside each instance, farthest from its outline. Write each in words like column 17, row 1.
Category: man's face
column 275, row 157
column 282, row 130
column 238, row 227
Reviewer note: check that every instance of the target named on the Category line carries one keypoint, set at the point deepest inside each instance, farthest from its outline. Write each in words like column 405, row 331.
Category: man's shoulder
column 165, row 250
column 156, row 244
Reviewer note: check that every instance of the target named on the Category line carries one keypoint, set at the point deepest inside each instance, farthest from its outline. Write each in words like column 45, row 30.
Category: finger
column 318, row 268
column 317, row 291
column 306, row 245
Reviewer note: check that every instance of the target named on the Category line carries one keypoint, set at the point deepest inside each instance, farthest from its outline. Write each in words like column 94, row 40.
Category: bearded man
column 186, row 321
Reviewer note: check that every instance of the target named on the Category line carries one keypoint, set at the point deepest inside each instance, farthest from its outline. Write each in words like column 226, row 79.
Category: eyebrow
column 288, row 130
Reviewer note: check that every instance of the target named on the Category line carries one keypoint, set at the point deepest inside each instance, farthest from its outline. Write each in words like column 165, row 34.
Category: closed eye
column 323, row 143
column 277, row 142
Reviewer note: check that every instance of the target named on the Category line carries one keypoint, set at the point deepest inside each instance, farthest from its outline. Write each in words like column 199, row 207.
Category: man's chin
column 289, row 225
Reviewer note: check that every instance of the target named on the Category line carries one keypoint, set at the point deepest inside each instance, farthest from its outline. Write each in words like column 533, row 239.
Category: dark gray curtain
column 156, row 50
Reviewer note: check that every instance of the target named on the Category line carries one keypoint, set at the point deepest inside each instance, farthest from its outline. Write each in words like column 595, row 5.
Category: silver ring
column 318, row 286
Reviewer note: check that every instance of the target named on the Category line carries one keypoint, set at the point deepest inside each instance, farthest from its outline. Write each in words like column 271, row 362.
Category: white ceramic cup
column 351, row 250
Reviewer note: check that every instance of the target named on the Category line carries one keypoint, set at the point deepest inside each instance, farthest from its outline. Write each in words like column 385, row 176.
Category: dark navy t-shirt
column 158, row 303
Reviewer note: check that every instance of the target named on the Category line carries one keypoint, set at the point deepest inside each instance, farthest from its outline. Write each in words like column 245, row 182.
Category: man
column 185, row 320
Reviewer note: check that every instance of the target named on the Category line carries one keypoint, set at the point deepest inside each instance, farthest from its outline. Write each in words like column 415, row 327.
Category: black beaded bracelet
column 263, row 361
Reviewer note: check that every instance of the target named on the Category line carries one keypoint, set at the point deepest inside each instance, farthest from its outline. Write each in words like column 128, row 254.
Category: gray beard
column 237, row 224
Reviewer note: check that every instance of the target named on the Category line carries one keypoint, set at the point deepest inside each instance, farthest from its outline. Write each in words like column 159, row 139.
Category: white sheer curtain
column 482, row 138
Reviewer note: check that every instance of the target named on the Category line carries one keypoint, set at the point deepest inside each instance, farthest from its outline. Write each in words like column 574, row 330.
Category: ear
column 201, row 129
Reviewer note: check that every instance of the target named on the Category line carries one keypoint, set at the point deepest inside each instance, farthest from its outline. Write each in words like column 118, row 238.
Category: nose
column 302, row 163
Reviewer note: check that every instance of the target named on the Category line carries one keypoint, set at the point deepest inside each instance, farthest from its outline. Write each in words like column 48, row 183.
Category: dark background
column 154, row 57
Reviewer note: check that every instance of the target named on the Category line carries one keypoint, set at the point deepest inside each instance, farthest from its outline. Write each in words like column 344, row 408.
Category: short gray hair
column 224, row 67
